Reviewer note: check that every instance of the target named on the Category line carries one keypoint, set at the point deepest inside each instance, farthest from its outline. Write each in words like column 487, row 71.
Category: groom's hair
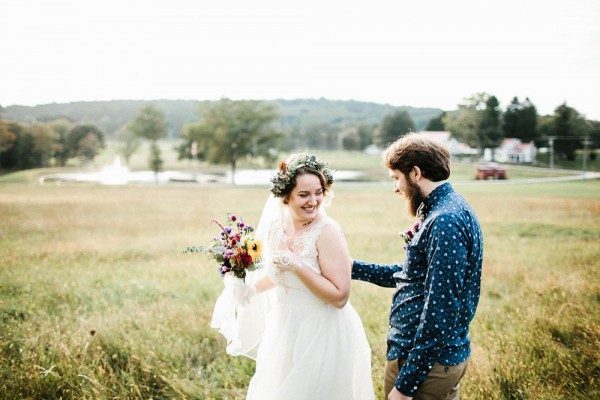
column 416, row 150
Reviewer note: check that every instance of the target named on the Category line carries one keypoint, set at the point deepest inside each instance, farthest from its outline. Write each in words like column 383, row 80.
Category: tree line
column 228, row 131
column 481, row 123
column 110, row 116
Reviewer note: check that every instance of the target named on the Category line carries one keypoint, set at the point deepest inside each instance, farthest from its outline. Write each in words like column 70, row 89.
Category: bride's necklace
column 303, row 226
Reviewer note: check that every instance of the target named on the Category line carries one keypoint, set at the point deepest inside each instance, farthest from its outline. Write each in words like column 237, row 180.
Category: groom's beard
column 414, row 197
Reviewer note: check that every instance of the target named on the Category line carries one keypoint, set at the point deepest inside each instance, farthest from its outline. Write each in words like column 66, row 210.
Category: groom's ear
column 416, row 174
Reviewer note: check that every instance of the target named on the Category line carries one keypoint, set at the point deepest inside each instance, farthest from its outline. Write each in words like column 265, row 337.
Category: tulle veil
column 243, row 324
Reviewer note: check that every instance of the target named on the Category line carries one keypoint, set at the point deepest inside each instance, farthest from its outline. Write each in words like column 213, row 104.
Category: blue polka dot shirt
column 437, row 288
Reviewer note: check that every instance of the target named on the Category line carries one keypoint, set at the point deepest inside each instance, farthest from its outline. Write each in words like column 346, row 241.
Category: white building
column 514, row 151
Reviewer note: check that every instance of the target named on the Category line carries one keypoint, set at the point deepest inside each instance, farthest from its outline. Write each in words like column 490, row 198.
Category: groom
column 437, row 286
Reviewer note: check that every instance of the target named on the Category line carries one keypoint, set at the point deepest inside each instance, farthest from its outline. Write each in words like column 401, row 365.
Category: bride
column 312, row 344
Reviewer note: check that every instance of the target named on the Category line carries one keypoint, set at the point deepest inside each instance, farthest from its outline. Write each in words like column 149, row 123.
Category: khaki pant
column 442, row 383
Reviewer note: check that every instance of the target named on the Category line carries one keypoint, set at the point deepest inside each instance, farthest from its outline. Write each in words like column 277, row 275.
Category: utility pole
column 586, row 143
column 551, row 145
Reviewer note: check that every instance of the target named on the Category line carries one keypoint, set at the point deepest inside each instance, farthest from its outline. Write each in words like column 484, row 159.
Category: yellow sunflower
column 254, row 249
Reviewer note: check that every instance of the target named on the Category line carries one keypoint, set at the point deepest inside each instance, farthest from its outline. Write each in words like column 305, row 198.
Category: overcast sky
column 422, row 53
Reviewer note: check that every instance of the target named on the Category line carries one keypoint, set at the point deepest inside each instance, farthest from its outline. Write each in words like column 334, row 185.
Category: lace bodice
column 304, row 246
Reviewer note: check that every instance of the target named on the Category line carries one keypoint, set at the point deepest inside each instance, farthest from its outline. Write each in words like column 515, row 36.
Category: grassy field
column 97, row 299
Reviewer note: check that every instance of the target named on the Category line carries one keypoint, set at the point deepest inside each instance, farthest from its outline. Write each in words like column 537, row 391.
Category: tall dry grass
column 98, row 301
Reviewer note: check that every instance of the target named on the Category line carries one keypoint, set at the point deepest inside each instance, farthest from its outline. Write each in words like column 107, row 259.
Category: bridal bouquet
column 235, row 249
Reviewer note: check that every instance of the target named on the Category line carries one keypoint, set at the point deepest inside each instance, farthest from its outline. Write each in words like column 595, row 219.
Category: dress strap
column 312, row 235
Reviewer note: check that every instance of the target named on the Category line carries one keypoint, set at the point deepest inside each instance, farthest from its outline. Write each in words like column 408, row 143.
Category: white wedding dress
column 309, row 350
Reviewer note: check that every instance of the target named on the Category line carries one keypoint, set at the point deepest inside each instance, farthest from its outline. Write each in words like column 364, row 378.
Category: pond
column 117, row 174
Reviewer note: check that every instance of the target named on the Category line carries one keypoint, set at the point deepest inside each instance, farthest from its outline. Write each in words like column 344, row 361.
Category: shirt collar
column 433, row 198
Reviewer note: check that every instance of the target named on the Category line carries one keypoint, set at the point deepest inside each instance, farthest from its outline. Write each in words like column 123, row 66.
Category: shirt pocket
column 415, row 266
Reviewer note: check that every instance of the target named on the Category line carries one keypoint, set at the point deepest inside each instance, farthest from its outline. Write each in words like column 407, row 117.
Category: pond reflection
column 117, row 174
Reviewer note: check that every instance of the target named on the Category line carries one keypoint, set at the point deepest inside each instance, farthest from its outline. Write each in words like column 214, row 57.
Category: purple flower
column 417, row 226
column 410, row 234
column 233, row 217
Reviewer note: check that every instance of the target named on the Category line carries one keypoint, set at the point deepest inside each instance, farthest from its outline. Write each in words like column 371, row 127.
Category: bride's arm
column 263, row 284
column 333, row 286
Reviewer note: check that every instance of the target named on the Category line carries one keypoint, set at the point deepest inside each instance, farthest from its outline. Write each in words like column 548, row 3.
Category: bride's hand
column 287, row 261
column 243, row 292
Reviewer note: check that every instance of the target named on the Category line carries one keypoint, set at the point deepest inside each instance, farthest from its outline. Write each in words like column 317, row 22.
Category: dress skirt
column 311, row 351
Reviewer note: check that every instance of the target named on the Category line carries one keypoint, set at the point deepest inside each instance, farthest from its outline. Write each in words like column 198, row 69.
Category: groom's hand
column 397, row 395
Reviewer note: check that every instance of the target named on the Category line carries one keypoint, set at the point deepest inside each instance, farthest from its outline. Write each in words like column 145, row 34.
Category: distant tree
column 350, row 139
column 21, row 155
column 314, row 136
column 462, row 125
column 570, row 128
column 476, row 122
column 528, row 120
column 488, row 129
column 393, row 126
column 594, row 133
column 7, row 139
column 436, row 124
column 319, row 136
column 61, row 127
column 85, row 141
column 365, row 133
column 510, row 119
column 545, row 129
column 151, row 124
column 332, row 138
column 155, row 161
column 188, row 150
column 89, row 147
column 45, row 143
column 129, row 142
column 520, row 120
column 229, row 131
column 594, row 136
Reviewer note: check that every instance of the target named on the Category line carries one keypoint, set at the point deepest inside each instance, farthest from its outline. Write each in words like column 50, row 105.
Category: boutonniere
column 409, row 234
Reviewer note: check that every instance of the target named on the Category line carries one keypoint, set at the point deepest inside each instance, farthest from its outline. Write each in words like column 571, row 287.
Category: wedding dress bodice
column 304, row 246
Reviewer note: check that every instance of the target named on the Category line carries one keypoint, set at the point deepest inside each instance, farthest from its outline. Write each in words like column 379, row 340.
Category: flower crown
column 285, row 174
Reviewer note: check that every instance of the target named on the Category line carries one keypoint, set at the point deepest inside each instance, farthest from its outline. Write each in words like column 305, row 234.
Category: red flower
column 246, row 259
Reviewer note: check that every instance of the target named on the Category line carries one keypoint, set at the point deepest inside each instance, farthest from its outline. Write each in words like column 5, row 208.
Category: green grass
column 97, row 299
column 543, row 160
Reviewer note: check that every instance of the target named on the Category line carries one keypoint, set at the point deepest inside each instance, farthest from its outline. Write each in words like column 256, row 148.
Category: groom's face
column 412, row 193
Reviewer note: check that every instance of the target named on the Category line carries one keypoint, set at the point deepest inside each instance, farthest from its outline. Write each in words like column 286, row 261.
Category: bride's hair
column 284, row 180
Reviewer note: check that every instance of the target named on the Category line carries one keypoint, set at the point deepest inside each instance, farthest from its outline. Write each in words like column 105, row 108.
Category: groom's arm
column 378, row 274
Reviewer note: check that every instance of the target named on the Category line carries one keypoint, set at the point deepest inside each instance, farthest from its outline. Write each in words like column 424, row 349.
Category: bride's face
column 306, row 197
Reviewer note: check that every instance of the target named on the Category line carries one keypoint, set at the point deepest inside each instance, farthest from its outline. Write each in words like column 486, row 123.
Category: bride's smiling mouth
column 309, row 209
